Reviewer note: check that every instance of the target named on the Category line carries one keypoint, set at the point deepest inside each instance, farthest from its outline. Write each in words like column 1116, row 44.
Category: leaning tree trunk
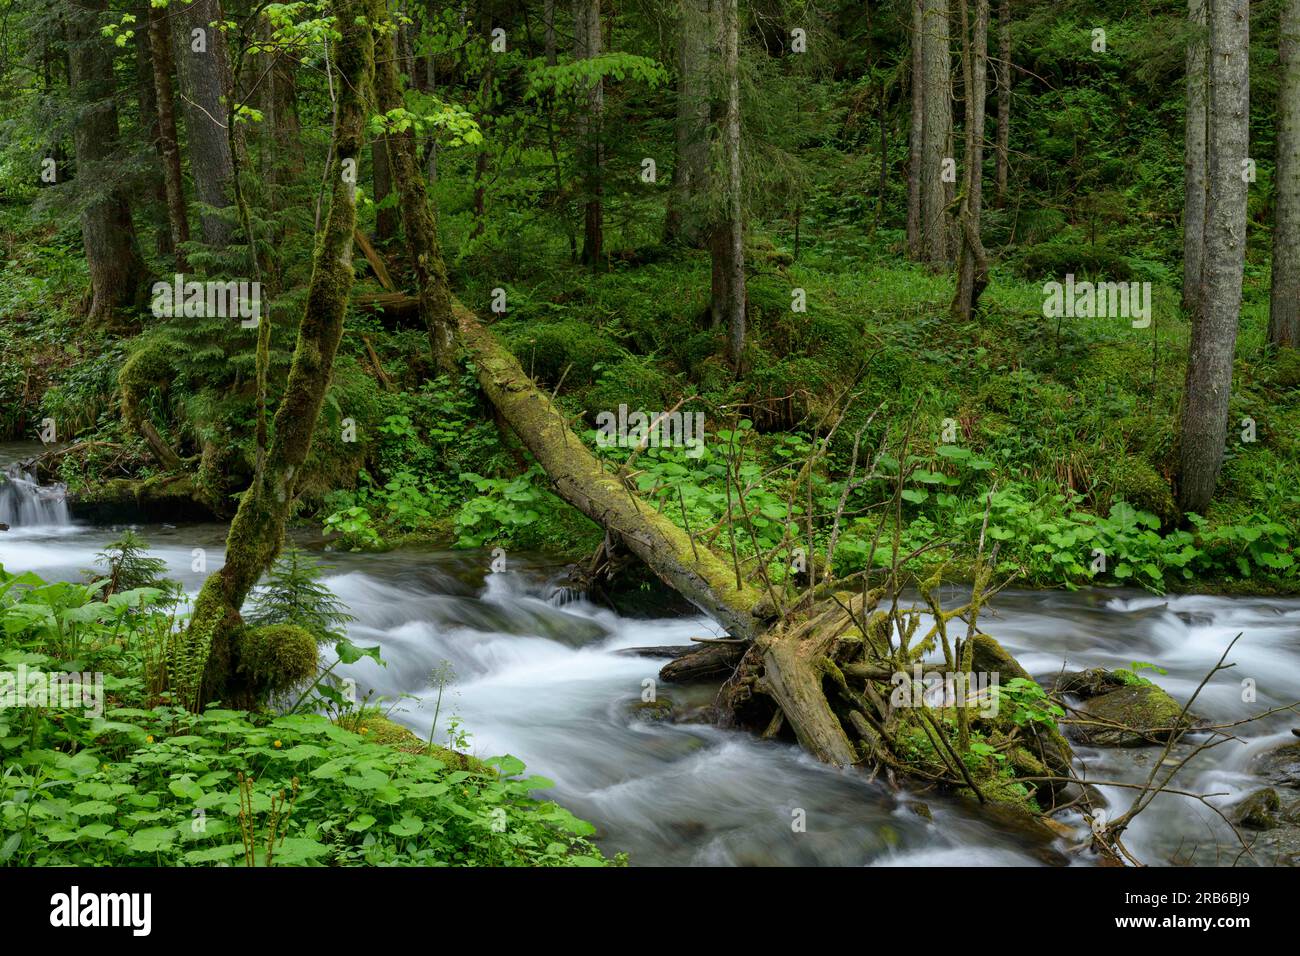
column 422, row 245
column 1194, row 157
column 1284, row 295
column 117, row 272
column 1214, row 325
column 728, row 237
column 972, row 264
column 207, row 665
column 686, row 217
column 173, row 184
column 204, row 71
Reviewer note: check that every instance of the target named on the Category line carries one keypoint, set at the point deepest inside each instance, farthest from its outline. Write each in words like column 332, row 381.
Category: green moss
column 1133, row 480
column 545, row 351
column 379, row 729
column 277, row 657
column 1286, row 368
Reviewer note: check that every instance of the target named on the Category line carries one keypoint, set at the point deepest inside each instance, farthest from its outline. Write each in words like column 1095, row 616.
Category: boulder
column 1259, row 810
column 1133, row 715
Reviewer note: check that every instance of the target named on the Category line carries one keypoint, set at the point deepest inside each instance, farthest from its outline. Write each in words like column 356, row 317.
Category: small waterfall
column 24, row 502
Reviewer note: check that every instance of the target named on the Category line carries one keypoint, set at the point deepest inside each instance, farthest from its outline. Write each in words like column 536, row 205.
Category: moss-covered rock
column 658, row 710
column 1129, row 716
column 1259, row 810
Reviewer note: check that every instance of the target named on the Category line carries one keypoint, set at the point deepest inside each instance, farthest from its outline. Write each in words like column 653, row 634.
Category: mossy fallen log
column 579, row 478
column 164, row 498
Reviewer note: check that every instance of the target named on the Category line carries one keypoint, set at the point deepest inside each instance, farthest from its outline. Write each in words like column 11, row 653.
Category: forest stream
column 539, row 674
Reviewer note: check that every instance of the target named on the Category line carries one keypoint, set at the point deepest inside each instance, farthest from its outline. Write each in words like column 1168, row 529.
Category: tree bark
column 687, row 214
column 1214, row 325
column 1194, row 145
column 936, row 222
column 173, row 184
column 204, row 84
column 586, row 46
column 916, row 133
column 1003, row 73
column 165, row 244
column 280, row 105
column 385, row 219
column 972, row 265
column 206, row 665
column 117, row 272
column 1284, row 294
column 728, row 238
column 422, row 245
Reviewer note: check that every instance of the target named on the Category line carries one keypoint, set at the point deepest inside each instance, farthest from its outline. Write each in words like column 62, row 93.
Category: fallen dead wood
column 377, row 264
column 707, row 662
column 580, row 479
column 396, row 310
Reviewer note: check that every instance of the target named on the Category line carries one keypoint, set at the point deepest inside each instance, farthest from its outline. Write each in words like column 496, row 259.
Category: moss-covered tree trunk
column 422, row 245
column 206, row 665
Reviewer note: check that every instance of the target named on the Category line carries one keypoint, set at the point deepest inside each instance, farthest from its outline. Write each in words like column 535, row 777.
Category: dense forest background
column 819, row 314
column 638, row 236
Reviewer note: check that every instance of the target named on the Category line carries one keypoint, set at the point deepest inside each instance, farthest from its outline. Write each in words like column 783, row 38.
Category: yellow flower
column 149, row 739
column 277, row 743
column 365, row 730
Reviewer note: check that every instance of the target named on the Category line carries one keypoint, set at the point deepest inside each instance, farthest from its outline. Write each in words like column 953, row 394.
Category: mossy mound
column 1286, row 368
column 276, row 658
column 570, row 349
column 378, row 729
column 1133, row 480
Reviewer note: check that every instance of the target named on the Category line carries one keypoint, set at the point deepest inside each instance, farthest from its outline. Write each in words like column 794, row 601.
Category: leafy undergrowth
column 109, row 771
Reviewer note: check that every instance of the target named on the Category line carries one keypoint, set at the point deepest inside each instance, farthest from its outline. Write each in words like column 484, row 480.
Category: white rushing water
column 543, row 680
column 24, row 503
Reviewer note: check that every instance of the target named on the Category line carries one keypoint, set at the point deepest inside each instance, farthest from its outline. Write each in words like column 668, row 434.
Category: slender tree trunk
column 1003, row 73
column 204, row 70
column 728, row 242
column 936, row 222
column 687, row 216
column 586, row 46
column 972, row 266
column 1194, row 145
column 916, row 132
column 173, row 184
column 422, row 245
column 117, row 272
column 1284, row 295
column 385, row 219
column 1214, row 324
column 206, row 662
column 165, row 244
column 281, row 107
